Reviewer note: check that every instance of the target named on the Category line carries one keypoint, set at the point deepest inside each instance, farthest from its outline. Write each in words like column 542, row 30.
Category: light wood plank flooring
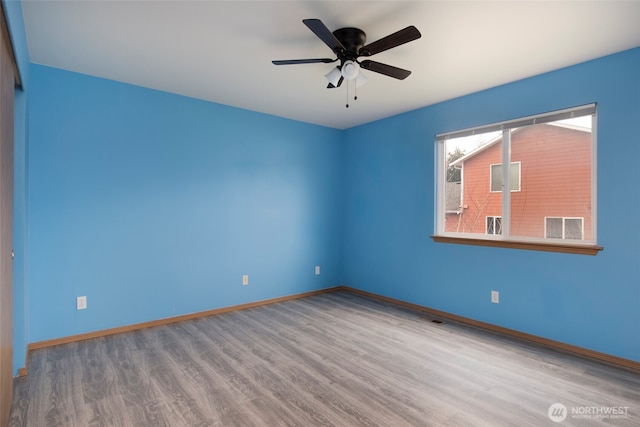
column 336, row 359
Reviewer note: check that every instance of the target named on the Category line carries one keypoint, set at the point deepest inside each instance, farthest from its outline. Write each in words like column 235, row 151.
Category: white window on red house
column 494, row 225
column 564, row 228
column 551, row 176
column 496, row 177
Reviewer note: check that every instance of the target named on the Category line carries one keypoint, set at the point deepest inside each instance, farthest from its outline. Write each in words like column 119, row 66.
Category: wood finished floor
column 334, row 359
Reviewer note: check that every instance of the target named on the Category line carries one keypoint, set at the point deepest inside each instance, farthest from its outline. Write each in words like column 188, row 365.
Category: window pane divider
column 506, row 183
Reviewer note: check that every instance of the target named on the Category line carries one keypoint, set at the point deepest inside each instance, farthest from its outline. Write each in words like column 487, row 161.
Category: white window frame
column 493, row 217
column 519, row 242
column 564, row 219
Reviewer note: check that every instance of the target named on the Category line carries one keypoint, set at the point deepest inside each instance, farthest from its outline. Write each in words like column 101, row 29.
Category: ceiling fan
column 348, row 44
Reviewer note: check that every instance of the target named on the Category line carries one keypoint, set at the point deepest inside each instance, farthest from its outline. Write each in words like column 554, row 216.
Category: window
column 563, row 228
column 496, row 177
column 494, row 225
column 551, row 175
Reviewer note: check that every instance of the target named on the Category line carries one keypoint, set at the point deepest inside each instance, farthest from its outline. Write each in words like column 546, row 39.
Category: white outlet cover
column 317, row 270
column 495, row 297
column 81, row 303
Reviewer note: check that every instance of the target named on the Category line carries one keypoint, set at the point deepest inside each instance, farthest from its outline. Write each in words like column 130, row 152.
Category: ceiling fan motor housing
column 352, row 39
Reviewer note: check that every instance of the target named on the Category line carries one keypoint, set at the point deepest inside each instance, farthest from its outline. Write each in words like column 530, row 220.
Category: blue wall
column 154, row 205
column 591, row 302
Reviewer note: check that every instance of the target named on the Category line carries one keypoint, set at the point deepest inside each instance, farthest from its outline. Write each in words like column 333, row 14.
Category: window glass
column 468, row 199
column 573, row 228
column 554, row 228
column 494, row 225
column 556, row 178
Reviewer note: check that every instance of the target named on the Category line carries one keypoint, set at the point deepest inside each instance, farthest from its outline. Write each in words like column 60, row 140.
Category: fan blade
column 331, row 86
column 387, row 70
column 398, row 38
column 303, row 61
column 324, row 34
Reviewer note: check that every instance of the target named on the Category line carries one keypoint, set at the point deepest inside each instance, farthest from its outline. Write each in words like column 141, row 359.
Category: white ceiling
column 221, row 51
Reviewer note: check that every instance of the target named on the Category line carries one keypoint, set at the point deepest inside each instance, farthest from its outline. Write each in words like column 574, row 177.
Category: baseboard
column 557, row 345
column 137, row 326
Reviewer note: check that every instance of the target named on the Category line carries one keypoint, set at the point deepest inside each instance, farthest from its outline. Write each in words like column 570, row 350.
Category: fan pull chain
column 347, row 93
column 355, row 93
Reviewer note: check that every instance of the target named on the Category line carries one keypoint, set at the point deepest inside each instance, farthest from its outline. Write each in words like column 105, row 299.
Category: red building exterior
column 554, row 188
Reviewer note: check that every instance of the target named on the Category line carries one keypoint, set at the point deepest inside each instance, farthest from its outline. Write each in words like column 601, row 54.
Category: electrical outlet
column 317, row 270
column 245, row 280
column 81, row 303
column 495, row 297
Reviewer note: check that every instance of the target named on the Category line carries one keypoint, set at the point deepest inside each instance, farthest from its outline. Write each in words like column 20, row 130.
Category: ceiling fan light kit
column 350, row 70
column 337, row 75
column 334, row 76
column 348, row 44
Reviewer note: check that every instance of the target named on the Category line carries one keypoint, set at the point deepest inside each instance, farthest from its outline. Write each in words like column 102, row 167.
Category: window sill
column 547, row 247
